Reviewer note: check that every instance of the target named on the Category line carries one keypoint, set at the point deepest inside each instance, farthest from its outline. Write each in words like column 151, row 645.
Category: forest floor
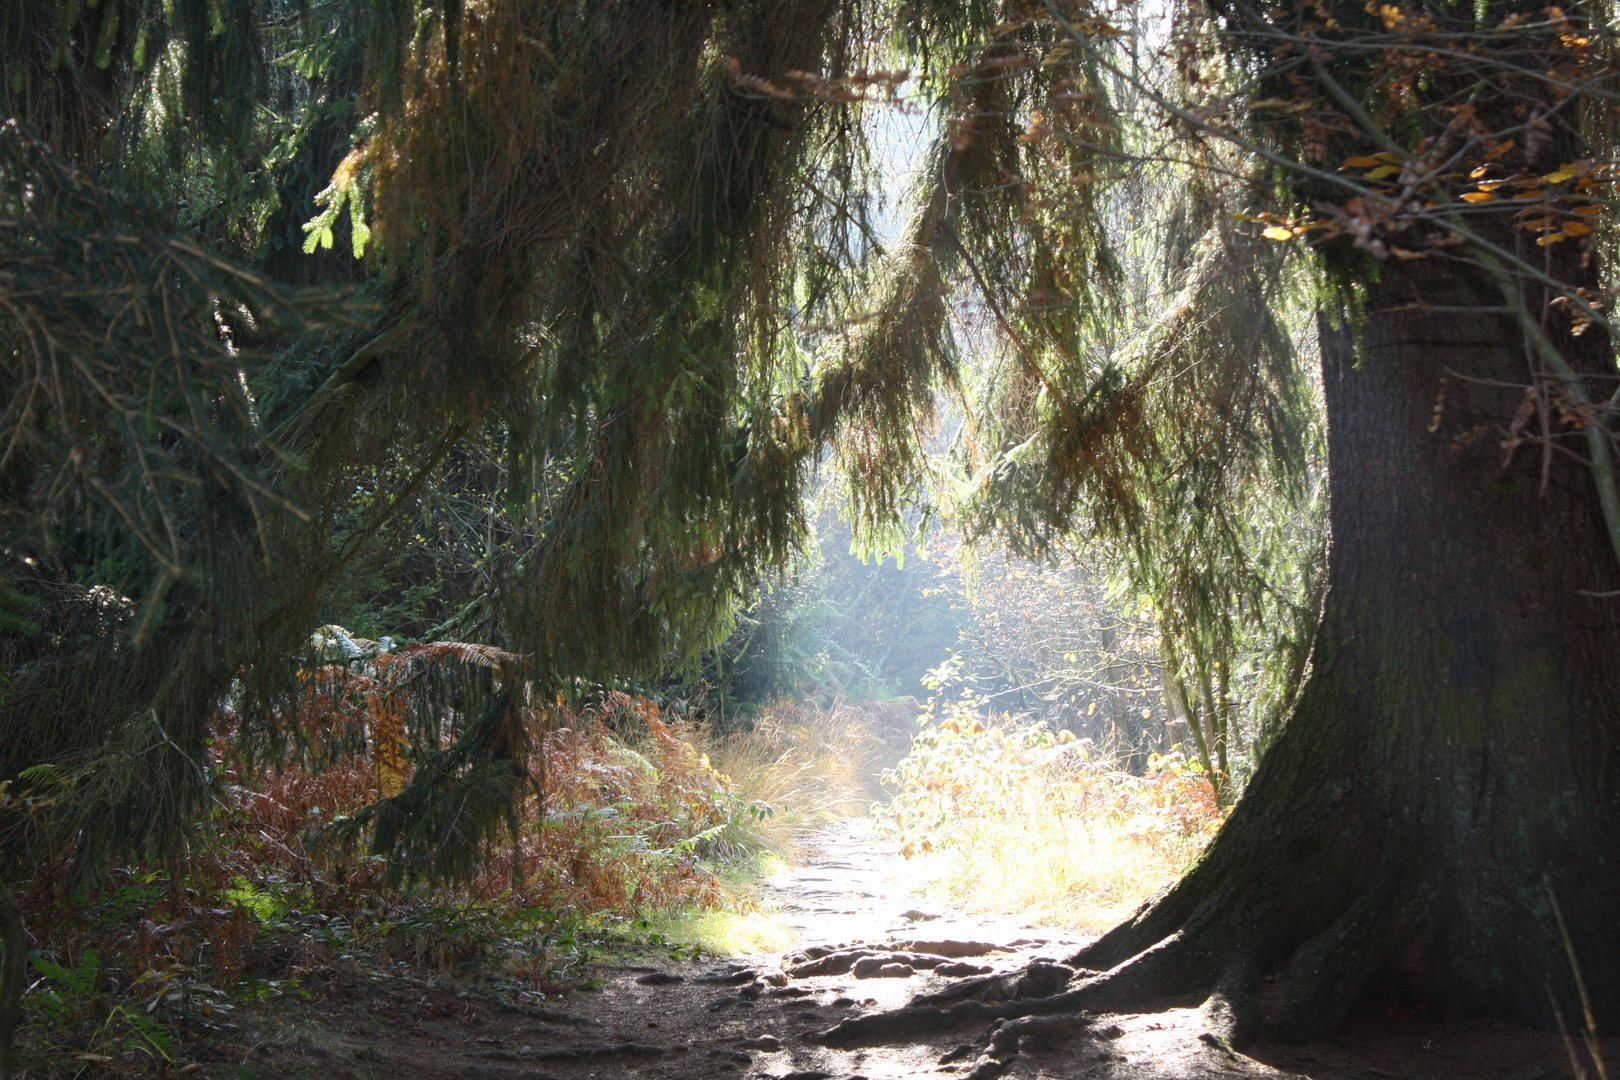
column 758, row 1017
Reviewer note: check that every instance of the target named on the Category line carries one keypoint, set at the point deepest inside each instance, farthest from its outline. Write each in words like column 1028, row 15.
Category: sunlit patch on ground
column 727, row 933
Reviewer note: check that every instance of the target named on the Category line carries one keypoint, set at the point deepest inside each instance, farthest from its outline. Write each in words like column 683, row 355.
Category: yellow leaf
column 1277, row 232
column 1383, row 171
column 1576, row 228
column 1359, row 163
column 1478, row 196
column 1385, row 155
column 1565, row 172
column 1586, row 209
column 1550, row 238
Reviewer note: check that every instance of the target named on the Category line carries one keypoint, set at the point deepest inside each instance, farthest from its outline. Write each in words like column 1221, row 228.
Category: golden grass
column 803, row 766
column 1053, row 873
column 1006, row 820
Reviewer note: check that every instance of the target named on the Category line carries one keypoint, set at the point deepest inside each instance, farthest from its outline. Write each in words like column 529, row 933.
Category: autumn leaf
column 1576, row 228
column 1360, row 163
column 1383, row 171
column 1478, row 196
column 1277, row 232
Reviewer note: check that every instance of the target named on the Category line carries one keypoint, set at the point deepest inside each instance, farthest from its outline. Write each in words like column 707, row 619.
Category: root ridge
column 917, row 1019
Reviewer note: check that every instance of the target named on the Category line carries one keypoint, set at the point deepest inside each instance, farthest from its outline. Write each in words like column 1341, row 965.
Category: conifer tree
column 631, row 243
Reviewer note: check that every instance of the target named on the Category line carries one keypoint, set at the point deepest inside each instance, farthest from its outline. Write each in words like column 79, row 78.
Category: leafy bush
column 1019, row 818
column 76, row 1017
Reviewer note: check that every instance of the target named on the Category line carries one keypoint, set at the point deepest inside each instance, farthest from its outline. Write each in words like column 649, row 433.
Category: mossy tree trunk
column 1457, row 747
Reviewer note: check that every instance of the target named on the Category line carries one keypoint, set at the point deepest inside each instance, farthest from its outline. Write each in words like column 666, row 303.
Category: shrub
column 1019, row 819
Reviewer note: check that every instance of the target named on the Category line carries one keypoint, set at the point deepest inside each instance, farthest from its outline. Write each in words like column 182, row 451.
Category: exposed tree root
column 988, row 1069
column 1232, row 1010
column 920, row 1019
column 1327, row 972
column 1221, row 951
column 864, row 961
column 1036, row 980
column 1004, row 1039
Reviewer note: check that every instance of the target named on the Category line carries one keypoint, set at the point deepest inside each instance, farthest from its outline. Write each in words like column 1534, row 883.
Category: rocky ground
column 865, row 947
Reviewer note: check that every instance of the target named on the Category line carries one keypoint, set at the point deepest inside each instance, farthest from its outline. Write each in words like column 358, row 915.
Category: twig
column 1580, row 984
column 1569, row 1043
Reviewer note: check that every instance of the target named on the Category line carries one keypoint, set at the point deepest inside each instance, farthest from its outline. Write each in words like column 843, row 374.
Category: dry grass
column 808, row 765
column 1001, row 819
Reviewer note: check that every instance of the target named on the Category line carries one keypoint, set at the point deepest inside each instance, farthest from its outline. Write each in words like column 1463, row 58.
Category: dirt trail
column 864, row 946
column 846, row 888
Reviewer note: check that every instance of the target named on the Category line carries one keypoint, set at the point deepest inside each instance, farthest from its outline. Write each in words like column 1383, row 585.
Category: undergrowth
column 643, row 832
column 1008, row 817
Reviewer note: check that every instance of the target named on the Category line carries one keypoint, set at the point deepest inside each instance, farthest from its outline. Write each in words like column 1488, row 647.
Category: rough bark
column 1456, row 743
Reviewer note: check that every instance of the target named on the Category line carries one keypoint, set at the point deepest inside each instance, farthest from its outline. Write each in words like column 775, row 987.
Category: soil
column 764, row 1017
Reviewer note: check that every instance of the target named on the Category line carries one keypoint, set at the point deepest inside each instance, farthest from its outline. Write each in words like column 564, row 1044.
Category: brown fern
column 387, row 713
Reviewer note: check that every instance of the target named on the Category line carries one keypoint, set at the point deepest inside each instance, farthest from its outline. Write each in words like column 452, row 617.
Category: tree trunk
column 13, row 951
column 1454, row 751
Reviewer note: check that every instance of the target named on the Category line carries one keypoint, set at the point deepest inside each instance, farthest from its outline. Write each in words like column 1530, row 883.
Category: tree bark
column 13, row 950
column 1456, row 745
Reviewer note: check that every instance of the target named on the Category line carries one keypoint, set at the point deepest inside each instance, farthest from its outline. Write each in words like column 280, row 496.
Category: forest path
column 850, row 884
column 866, row 944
